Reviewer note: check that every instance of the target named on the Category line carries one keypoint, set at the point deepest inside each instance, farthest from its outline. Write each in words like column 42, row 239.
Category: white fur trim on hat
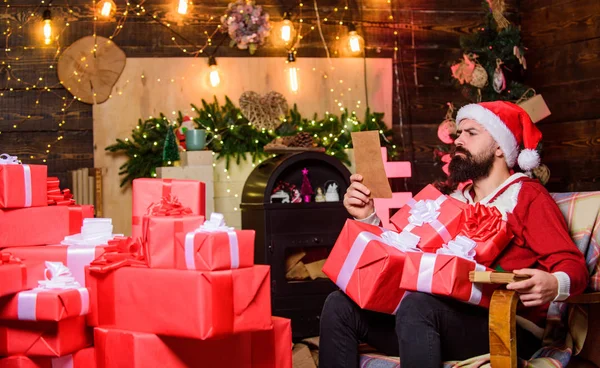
column 529, row 159
column 495, row 126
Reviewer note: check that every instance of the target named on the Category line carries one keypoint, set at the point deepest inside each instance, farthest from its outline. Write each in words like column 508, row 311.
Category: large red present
column 180, row 303
column 214, row 246
column 44, row 338
column 366, row 262
column 45, row 304
column 164, row 233
column 41, row 225
column 84, row 358
column 17, row 275
column 191, row 194
column 128, row 349
column 432, row 216
column 22, row 186
column 485, row 226
column 446, row 273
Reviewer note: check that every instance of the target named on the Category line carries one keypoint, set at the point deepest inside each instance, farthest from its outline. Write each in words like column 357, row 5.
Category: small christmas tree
column 170, row 149
column 306, row 189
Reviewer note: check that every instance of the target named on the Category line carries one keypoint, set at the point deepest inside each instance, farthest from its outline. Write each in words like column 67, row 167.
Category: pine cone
column 302, row 139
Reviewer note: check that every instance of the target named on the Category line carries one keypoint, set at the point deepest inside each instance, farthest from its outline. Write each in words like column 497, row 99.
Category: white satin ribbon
column 403, row 242
column 6, row 159
column 60, row 278
column 27, row 179
column 63, row 362
column 461, row 246
column 215, row 224
column 426, row 211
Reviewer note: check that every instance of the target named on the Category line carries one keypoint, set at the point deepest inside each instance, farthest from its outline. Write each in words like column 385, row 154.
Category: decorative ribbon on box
column 56, row 197
column 13, row 274
column 121, row 252
column 56, row 298
column 165, row 226
column 84, row 358
column 215, row 246
column 432, row 216
column 485, row 226
column 191, row 193
column 21, row 186
column 366, row 263
column 447, row 272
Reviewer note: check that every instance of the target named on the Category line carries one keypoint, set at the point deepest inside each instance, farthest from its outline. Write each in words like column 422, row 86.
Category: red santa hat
column 511, row 127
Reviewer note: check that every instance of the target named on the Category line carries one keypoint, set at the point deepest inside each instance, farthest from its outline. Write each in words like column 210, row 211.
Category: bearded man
column 428, row 329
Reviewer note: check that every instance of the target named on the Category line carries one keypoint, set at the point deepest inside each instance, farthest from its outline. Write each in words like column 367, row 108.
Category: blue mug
column 195, row 139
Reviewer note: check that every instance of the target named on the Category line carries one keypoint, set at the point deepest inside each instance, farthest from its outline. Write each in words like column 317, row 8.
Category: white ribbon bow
column 6, row 159
column 404, row 241
column 215, row 224
column 461, row 246
column 60, row 277
column 424, row 211
column 94, row 232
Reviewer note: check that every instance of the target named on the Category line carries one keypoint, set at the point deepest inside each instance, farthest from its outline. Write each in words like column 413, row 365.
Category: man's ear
column 499, row 152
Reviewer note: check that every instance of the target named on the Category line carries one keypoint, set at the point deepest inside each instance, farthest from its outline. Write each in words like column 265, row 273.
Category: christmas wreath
column 247, row 25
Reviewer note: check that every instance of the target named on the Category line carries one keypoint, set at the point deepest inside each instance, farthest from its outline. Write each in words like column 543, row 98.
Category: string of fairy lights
column 289, row 33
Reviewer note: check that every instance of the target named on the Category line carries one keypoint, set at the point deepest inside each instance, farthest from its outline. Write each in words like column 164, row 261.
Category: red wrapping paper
column 164, row 239
column 128, row 349
column 49, row 304
column 485, row 226
column 212, row 251
column 84, row 358
column 373, row 283
column 181, row 303
column 74, row 257
column 17, row 275
column 41, row 225
column 190, row 193
column 13, row 186
column 56, row 197
column 44, row 338
column 447, row 276
column 450, row 215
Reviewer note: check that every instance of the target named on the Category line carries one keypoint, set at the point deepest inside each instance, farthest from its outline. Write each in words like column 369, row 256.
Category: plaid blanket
column 566, row 328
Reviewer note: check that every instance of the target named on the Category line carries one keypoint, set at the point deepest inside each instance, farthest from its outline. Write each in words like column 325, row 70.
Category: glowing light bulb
column 293, row 72
column 287, row 28
column 182, row 8
column 106, row 7
column 355, row 41
column 47, row 17
column 215, row 78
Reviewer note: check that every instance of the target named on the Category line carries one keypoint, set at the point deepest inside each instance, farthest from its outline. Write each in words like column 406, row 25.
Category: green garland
column 231, row 136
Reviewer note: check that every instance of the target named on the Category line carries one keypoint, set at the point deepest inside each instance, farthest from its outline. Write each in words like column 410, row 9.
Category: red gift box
column 84, row 358
column 485, row 226
column 17, row 275
column 191, row 194
column 75, row 257
column 164, row 239
column 434, row 217
column 45, row 304
column 23, row 186
column 366, row 267
column 446, row 275
column 215, row 247
column 128, row 349
column 44, row 338
column 41, row 225
column 180, row 303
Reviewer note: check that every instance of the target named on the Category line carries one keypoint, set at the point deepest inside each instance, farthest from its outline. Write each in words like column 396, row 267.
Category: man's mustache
column 460, row 149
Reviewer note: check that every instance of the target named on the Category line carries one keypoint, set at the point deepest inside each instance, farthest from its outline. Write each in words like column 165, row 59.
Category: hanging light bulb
column 287, row 29
column 47, row 20
column 215, row 78
column 355, row 41
column 293, row 72
column 182, row 8
column 106, row 7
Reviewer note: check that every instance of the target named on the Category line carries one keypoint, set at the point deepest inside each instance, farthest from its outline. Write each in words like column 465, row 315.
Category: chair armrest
column 503, row 329
column 586, row 298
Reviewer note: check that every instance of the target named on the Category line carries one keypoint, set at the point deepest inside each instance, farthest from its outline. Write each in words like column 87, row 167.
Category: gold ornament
column 498, row 7
column 542, row 173
column 480, row 77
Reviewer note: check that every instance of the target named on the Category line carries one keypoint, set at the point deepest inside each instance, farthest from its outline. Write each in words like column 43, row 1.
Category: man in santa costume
column 427, row 329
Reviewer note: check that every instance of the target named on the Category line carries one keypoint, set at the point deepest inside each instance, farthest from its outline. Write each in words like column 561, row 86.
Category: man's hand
column 356, row 200
column 540, row 289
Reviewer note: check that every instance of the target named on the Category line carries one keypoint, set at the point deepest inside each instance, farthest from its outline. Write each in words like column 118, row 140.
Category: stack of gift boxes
column 438, row 242
column 180, row 292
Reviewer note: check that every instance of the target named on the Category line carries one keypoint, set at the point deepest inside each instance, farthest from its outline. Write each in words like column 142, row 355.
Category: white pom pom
column 528, row 159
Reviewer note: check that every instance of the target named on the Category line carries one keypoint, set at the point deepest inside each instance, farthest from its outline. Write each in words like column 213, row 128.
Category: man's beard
column 469, row 167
